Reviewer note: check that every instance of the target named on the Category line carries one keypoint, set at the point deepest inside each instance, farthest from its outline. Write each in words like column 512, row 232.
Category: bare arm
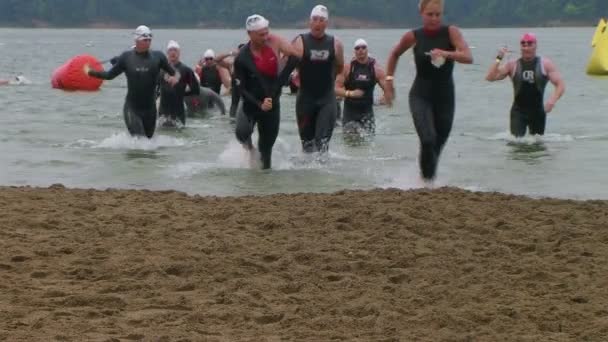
column 498, row 72
column 285, row 47
column 298, row 45
column 558, row 82
column 340, row 79
column 339, row 56
column 380, row 77
column 463, row 52
column 225, row 76
column 407, row 41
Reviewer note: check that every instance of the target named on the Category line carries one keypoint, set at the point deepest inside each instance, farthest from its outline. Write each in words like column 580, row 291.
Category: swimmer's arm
column 111, row 74
column 239, row 75
column 195, row 88
column 339, row 47
column 463, row 52
column 226, row 79
column 407, row 41
column 285, row 47
column 340, row 79
column 556, row 79
column 499, row 72
column 221, row 59
column 164, row 65
column 380, row 77
column 298, row 45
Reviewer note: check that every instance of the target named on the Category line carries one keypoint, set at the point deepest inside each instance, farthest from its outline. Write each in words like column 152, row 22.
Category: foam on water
column 123, row 141
column 189, row 169
column 531, row 139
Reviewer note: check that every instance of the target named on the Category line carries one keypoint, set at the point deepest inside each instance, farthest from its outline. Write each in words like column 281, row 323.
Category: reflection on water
column 141, row 154
column 530, row 153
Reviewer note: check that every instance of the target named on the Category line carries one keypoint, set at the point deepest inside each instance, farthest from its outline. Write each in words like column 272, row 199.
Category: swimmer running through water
column 172, row 106
column 322, row 60
column 142, row 67
column 431, row 99
column 260, row 81
column 530, row 75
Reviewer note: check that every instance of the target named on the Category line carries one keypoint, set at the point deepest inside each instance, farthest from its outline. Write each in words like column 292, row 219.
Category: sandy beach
column 382, row 265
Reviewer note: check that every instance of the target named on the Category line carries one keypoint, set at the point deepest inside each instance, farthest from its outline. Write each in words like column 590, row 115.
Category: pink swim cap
column 528, row 37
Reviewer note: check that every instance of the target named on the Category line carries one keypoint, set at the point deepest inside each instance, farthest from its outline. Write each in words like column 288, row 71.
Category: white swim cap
column 209, row 54
column 360, row 42
column 142, row 32
column 320, row 11
column 172, row 45
column 256, row 22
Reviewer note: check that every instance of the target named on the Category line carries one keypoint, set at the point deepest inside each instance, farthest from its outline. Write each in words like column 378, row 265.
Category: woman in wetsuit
column 436, row 48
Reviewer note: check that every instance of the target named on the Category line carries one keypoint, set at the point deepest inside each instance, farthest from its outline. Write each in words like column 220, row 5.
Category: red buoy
column 71, row 76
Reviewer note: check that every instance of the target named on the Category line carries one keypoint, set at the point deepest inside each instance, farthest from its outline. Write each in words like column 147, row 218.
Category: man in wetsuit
column 142, row 67
column 322, row 59
column 211, row 74
column 356, row 85
column 260, row 81
column 235, row 94
column 530, row 75
column 172, row 96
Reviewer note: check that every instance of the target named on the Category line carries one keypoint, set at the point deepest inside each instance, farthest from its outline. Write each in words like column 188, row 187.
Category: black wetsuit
column 432, row 98
column 235, row 97
column 254, row 87
column 528, row 110
column 359, row 112
column 210, row 78
column 142, row 70
column 172, row 97
column 316, row 102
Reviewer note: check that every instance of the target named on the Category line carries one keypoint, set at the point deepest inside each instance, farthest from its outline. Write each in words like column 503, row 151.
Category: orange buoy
column 71, row 76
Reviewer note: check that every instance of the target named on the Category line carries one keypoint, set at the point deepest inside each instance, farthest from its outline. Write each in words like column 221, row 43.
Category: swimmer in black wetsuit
column 172, row 97
column 356, row 85
column 260, row 80
column 530, row 75
column 322, row 59
column 436, row 48
column 142, row 67
column 213, row 73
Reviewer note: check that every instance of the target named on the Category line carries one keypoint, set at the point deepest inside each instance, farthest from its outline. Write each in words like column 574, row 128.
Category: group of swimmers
column 267, row 62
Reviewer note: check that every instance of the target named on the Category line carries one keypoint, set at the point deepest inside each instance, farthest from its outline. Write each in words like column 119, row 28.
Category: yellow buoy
column 598, row 63
column 599, row 30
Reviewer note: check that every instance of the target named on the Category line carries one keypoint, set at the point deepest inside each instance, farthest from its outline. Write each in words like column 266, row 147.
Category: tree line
column 287, row 13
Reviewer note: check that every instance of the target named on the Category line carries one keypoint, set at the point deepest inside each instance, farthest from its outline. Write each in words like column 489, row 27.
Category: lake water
column 49, row 136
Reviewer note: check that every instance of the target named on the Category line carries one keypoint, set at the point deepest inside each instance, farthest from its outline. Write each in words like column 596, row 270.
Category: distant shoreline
column 336, row 23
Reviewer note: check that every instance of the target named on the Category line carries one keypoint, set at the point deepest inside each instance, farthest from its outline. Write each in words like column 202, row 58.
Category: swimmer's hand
column 86, row 68
column 267, row 104
column 355, row 94
column 389, row 94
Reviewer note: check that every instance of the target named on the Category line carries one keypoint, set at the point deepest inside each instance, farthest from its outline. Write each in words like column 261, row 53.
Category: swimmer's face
column 173, row 55
column 318, row 25
column 431, row 16
column 259, row 37
column 361, row 51
column 528, row 48
column 143, row 44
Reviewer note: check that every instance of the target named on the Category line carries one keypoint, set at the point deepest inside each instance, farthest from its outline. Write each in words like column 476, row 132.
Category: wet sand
column 383, row 265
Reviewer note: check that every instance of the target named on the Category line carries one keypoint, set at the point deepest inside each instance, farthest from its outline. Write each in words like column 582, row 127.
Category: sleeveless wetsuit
column 316, row 101
column 432, row 98
column 528, row 110
column 359, row 112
